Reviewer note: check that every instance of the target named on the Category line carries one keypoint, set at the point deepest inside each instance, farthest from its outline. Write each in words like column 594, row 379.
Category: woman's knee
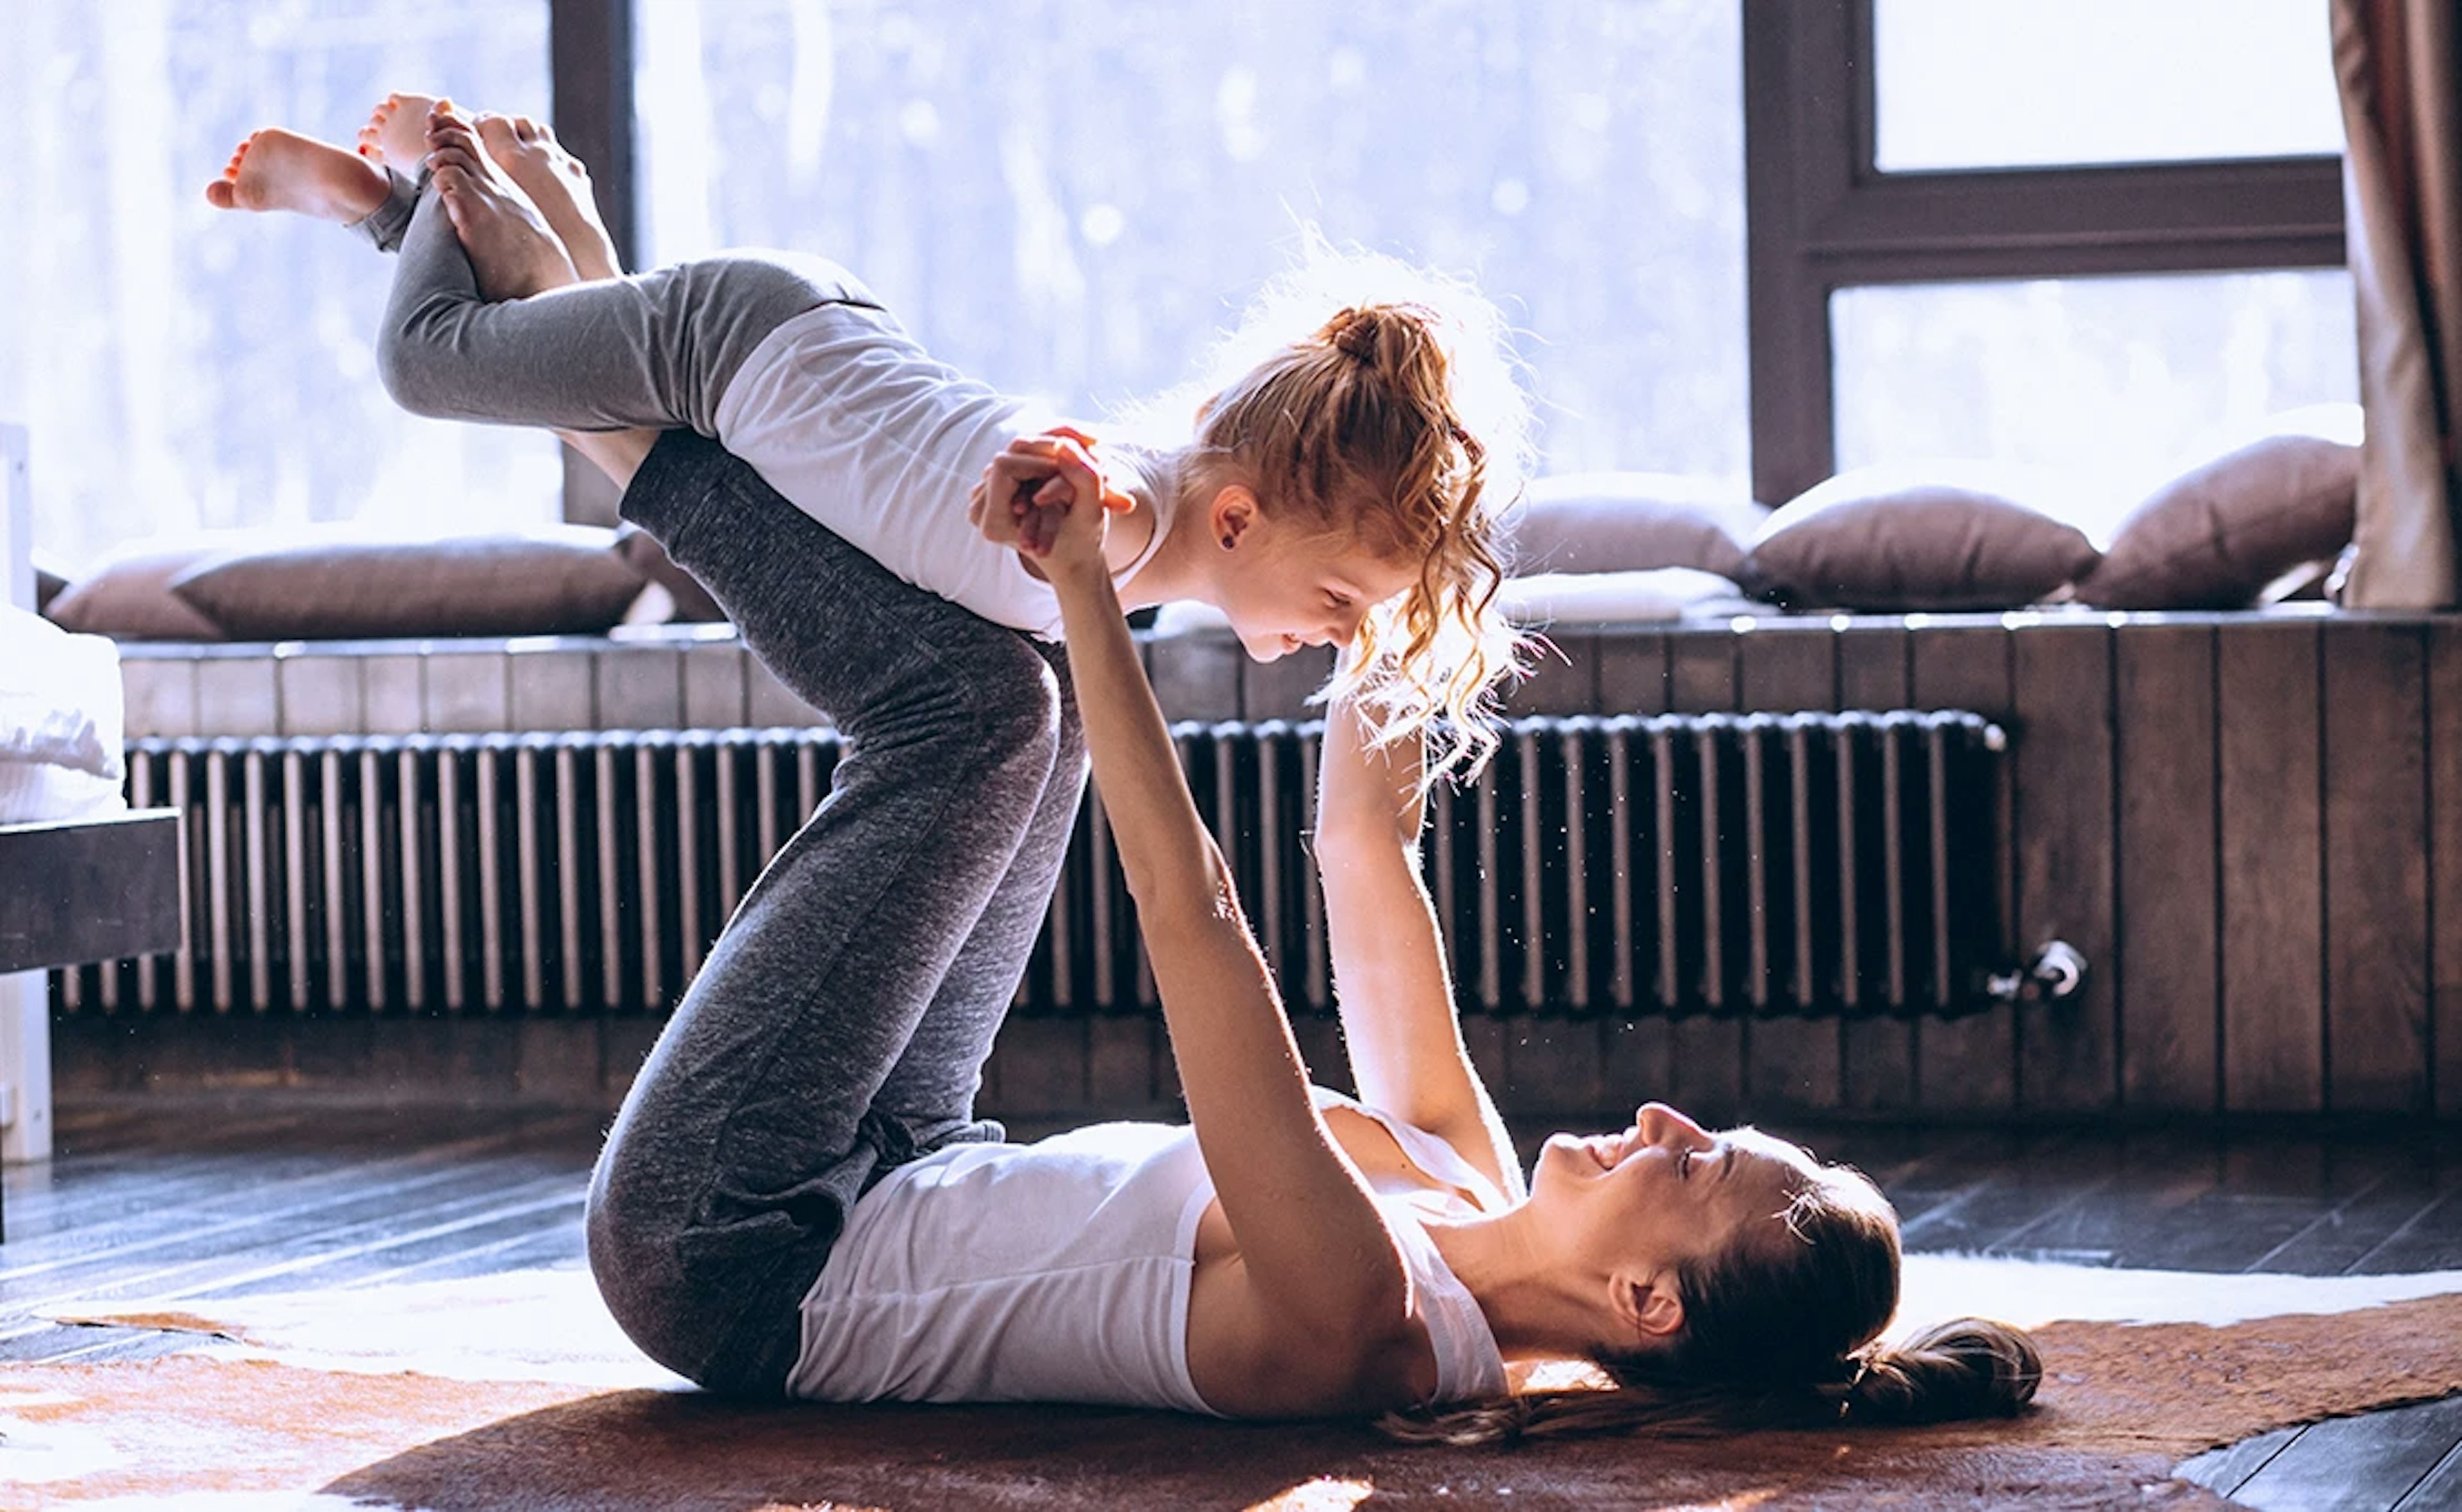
column 1023, row 708
column 1000, row 712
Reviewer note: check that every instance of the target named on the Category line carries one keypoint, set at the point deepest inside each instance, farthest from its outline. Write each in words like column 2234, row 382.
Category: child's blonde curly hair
column 1399, row 424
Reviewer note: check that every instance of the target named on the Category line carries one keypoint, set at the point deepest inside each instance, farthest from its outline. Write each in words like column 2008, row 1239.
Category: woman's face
column 1664, row 1190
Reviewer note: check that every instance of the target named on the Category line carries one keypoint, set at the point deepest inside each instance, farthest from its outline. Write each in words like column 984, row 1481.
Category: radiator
column 1848, row 864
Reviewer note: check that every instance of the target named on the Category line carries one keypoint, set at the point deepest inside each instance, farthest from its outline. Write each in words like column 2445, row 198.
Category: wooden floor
column 167, row 1199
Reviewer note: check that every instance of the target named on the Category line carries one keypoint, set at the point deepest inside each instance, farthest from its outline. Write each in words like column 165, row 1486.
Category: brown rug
column 2120, row 1407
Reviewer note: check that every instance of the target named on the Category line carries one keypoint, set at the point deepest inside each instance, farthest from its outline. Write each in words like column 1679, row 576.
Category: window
column 1070, row 201
column 178, row 366
column 2109, row 385
column 1844, row 363
column 1993, row 84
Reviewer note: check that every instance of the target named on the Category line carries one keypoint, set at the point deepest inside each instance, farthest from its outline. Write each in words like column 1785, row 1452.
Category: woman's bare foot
column 282, row 170
column 396, row 134
column 557, row 183
column 510, row 249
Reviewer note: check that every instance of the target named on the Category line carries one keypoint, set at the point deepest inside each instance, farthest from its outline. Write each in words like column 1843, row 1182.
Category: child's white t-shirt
column 847, row 417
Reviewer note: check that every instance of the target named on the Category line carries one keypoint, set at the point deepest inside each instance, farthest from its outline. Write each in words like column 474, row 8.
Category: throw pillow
column 130, row 598
column 1940, row 537
column 2214, row 536
column 1617, row 522
column 557, row 580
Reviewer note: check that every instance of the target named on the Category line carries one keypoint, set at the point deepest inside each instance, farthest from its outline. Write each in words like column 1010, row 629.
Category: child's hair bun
column 1352, row 332
column 1378, row 336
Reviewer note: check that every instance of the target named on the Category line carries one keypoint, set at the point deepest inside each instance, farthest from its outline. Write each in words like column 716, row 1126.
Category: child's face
column 1284, row 589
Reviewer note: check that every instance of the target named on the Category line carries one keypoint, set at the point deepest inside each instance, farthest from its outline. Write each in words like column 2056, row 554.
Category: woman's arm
column 1318, row 1255
column 1389, row 973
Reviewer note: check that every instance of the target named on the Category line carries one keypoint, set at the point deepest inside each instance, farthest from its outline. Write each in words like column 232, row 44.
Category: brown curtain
column 2400, row 66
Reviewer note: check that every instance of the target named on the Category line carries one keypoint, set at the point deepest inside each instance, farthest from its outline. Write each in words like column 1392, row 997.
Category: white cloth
column 842, row 413
column 59, row 697
column 1059, row 1272
column 39, row 793
column 60, row 720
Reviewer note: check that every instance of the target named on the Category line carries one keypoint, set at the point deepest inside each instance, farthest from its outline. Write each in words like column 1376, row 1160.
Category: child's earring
column 1229, row 540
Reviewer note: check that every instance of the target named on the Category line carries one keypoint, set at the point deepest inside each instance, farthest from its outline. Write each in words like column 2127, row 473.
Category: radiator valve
column 2056, row 972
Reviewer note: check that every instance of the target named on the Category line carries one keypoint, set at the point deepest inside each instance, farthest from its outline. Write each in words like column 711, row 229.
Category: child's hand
column 1046, row 497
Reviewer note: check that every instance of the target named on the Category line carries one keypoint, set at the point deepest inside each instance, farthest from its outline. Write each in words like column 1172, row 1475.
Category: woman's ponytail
column 1972, row 1367
column 1951, row 1372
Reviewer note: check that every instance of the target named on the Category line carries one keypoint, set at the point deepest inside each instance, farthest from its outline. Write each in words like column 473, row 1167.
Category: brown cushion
column 557, row 580
column 1900, row 538
column 130, row 598
column 692, row 602
column 1627, row 522
column 2214, row 536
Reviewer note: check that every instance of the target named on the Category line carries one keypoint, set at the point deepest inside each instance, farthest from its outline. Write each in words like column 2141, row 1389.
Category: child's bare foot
column 557, row 183
column 282, row 170
column 510, row 249
column 396, row 134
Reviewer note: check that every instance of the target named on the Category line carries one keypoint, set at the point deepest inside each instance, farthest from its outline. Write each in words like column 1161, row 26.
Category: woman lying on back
column 1294, row 1253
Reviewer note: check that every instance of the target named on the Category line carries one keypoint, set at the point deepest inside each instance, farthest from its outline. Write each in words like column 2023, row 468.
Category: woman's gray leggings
column 840, row 1023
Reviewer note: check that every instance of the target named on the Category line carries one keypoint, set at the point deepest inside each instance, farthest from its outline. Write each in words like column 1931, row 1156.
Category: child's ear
column 1234, row 514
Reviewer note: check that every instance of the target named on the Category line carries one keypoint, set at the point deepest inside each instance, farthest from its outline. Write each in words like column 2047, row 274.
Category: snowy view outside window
column 2018, row 83
column 1067, row 198
column 181, row 367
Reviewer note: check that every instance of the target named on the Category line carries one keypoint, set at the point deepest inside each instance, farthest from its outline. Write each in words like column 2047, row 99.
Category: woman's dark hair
column 1778, row 1331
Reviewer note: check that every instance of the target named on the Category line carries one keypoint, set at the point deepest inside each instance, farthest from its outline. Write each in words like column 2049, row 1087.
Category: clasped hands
column 1045, row 498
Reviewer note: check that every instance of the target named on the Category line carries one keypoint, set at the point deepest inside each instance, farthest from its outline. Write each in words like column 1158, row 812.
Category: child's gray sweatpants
column 841, row 1021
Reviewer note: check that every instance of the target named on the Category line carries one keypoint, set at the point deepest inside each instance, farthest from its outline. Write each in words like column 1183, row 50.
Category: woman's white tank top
column 1059, row 1272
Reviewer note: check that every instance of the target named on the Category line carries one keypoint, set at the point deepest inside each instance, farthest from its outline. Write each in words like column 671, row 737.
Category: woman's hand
column 1045, row 496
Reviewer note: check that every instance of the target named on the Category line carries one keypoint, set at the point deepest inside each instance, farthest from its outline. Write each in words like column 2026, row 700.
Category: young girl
column 1338, row 492
column 797, row 1198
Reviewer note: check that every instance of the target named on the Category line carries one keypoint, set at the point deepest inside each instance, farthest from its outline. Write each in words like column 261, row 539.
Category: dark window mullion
column 590, row 82
column 1800, row 152
column 590, row 71
column 2290, row 202
column 2091, row 260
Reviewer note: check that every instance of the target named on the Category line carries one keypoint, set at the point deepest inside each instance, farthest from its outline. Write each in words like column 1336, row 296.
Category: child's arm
column 1391, row 976
column 1320, row 1262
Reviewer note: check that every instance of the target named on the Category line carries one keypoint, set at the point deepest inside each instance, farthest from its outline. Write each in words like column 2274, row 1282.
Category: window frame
column 1820, row 216
column 589, row 84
